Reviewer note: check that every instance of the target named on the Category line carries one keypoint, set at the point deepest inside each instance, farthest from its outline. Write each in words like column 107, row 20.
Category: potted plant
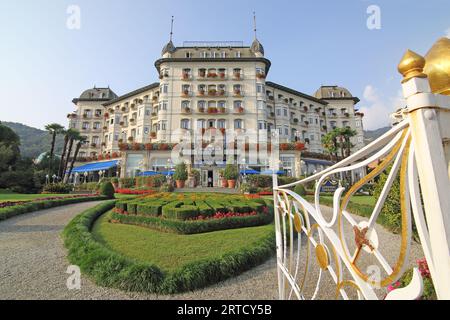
column 223, row 181
column 231, row 174
column 180, row 175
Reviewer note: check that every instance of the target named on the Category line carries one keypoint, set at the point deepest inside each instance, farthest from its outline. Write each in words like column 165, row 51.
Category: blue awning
column 167, row 173
column 150, row 173
column 96, row 166
column 271, row 172
column 249, row 171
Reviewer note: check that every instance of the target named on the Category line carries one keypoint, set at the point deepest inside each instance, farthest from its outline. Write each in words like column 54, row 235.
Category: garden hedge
column 111, row 269
column 193, row 227
column 31, row 206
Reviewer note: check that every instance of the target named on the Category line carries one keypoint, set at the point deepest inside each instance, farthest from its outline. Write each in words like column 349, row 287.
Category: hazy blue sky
column 44, row 65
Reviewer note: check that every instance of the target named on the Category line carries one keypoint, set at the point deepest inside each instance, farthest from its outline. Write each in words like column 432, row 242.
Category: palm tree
column 72, row 136
column 67, row 137
column 81, row 140
column 329, row 142
column 346, row 134
column 54, row 129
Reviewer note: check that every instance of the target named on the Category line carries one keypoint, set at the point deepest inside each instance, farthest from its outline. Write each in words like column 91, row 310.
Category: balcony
column 238, row 110
column 186, row 110
column 186, row 94
column 238, row 93
column 72, row 116
column 237, row 76
column 186, row 76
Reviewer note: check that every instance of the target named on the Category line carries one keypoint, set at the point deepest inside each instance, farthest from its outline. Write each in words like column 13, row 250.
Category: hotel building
column 211, row 85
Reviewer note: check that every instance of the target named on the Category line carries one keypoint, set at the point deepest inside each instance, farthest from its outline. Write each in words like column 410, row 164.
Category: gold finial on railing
column 411, row 66
column 437, row 66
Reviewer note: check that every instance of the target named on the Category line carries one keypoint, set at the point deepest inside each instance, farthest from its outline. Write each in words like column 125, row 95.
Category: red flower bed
column 223, row 215
column 133, row 191
column 265, row 193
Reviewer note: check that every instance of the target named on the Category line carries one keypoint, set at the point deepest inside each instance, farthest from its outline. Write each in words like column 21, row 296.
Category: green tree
column 80, row 141
column 68, row 135
column 54, row 129
column 330, row 144
column 346, row 134
column 180, row 172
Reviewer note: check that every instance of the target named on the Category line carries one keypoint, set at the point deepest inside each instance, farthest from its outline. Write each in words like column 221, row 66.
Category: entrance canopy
column 249, row 171
column 96, row 166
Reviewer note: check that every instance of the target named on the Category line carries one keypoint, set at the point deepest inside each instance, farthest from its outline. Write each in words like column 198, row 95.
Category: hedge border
column 193, row 227
column 9, row 212
column 111, row 269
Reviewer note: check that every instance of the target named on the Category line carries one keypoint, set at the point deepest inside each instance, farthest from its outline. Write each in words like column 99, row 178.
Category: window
column 311, row 137
column 185, row 123
column 165, row 88
column 85, row 126
column 262, row 125
column 95, row 139
column 185, row 104
column 116, row 137
column 278, row 112
column 261, row 105
column 237, row 104
column 201, row 104
column 238, row 124
column 96, row 125
column 286, row 131
column 260, row 88
column 204, row 54
column 163, row 105
column 147, row 112
column 211, row 123
column 146, row 130
column 285, row 112
column 188, row 55
column 237, row 54
column 222, row 104
column 201, row 124
column 223, row 54
column 221, row 123
column 358, row 123
column 164, row 125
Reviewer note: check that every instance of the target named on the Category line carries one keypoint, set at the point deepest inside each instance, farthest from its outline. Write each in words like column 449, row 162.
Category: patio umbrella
column 149, row 173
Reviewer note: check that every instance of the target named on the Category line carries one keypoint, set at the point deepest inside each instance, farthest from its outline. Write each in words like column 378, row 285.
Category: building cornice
column 295, row 92
column 76, row 100
column 132, row 93
column 244, row 59
column 355, row 99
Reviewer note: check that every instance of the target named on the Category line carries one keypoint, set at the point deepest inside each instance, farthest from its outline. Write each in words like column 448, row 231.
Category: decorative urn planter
column 180, row 183
column 224, row 183
column 231, row 184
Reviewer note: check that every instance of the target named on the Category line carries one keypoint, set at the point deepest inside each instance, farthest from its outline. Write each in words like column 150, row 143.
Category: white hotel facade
column 211, row 85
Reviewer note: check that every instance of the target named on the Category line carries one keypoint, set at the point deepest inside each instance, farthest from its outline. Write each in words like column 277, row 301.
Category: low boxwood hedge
column 31, row 206
column 111, row 269
column 195, row 226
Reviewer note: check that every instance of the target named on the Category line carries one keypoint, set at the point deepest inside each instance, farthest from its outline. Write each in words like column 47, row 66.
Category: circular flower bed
column 141, row 259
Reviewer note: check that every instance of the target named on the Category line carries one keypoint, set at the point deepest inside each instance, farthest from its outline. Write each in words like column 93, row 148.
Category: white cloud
column 378, row 108
column 447, row 33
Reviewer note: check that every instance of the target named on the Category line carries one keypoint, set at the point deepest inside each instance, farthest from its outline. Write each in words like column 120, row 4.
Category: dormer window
column 188, row 55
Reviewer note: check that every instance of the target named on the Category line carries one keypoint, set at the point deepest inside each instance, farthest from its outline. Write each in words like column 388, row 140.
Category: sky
column 46, row 62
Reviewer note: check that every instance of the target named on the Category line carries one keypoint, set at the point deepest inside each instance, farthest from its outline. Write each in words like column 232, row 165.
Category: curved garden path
column 33, row 264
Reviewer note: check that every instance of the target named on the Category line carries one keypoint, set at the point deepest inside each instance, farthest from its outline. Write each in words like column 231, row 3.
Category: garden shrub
column 230, row 172
column 127, row 182
column 57, row 188
column 107, row 190
column 111, row 269
column 180, row 172
column 36, row 205
column 166, row 187
column 300, row 190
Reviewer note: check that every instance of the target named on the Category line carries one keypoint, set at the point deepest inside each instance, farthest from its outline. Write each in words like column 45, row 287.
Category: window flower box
column 132, row 120
column 236, row 75
column 222, row 110
column 221, row 93
column 212, row 75
column 185, row 93
column 212, row 110
column 154, row 114
column 201, row 109
column 237, row 92
column 130, row 139
column 201, row 92
column 222, row 75
column 212, row 92
column 153, row 135
column 93, row 145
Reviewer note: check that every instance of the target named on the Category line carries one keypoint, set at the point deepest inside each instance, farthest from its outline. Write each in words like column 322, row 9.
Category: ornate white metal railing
column 413, row 150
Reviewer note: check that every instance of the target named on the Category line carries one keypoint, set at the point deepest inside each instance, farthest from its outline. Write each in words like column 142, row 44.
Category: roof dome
column 257, row 47
column 437, row 66
column 98, row 93
column 168, row 48
column 326, row 92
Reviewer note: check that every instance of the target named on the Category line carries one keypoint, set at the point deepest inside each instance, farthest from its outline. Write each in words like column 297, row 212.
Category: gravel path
column 33, row 264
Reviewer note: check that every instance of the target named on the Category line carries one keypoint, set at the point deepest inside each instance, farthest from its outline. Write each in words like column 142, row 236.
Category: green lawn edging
column 28, row 207
column 111, row 269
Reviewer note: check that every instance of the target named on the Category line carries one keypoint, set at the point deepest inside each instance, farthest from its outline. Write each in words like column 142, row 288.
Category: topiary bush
column 57, row 188
column 107, row 190
column 300, row 190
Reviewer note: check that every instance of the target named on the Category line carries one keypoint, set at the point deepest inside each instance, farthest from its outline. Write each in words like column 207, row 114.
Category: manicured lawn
column 24, row 197
column 366, row 200
column 170, row 251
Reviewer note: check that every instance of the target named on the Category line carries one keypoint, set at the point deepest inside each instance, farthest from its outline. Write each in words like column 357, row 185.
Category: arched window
column 201, row 124
column 185, row 124
column 185, row 104
column 238, row 124
column 221, row 123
